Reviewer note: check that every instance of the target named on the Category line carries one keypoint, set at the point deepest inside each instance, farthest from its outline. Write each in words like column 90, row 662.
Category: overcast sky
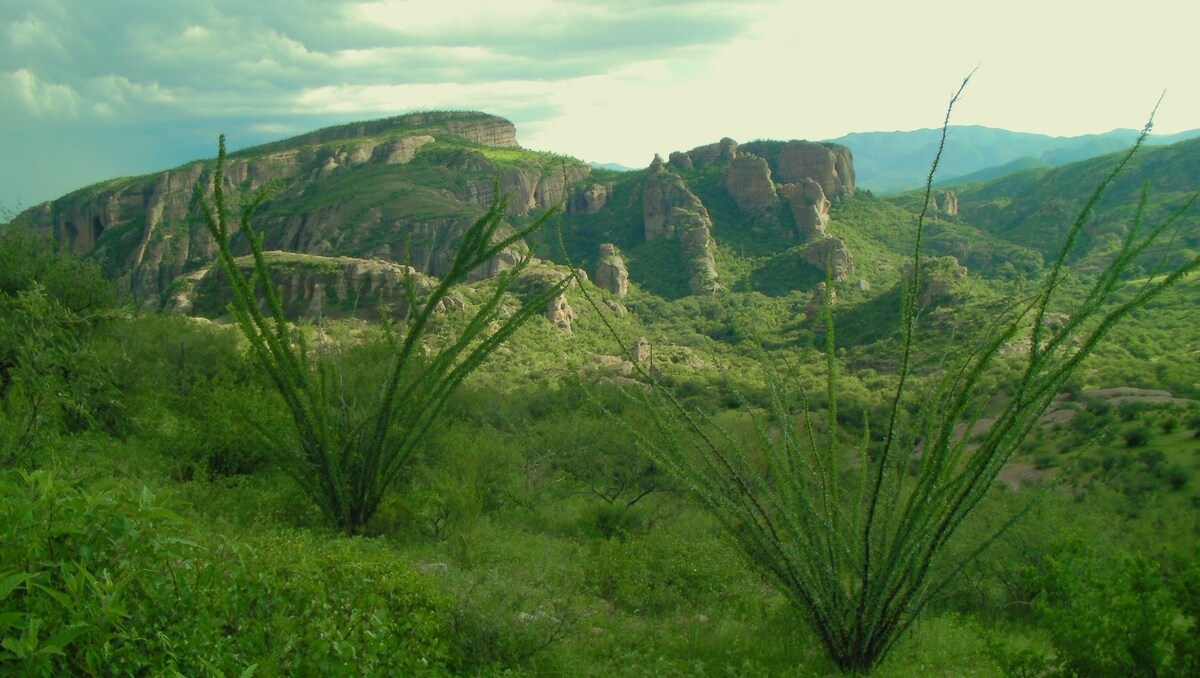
column 92, row 89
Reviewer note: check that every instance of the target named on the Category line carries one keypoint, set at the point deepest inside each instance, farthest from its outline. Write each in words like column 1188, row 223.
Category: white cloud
column 43, row 98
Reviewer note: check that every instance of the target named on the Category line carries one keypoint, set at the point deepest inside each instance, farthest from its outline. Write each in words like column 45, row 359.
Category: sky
column 95, row 89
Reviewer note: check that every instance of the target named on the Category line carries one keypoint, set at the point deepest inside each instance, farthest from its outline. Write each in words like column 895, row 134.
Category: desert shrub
column 51, row 378
column 109, row 582
column 1138, row 437
column 855, row 533
column 1116, row 614
column 346, row 456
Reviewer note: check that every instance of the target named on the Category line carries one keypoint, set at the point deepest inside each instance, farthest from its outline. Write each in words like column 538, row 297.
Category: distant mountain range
column 893, row 162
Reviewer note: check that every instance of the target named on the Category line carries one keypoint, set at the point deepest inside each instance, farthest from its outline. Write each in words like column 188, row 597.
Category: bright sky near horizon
column 92, row 89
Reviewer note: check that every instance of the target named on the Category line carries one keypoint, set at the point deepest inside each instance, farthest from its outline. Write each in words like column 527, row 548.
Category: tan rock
column 810, row 207
column 611, row 273
column 748, row 180
column 681, row 160
column 830, row 165
column 830, row 255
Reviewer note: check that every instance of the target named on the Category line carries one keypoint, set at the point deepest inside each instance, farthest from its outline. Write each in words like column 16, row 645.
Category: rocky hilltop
column 356, row 203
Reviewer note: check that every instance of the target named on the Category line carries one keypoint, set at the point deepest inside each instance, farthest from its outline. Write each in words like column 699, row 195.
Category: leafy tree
column 857, row 538
column 345, row 456
column 50, row 374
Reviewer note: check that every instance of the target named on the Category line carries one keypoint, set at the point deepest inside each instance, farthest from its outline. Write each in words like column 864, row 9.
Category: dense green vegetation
column 147, row 530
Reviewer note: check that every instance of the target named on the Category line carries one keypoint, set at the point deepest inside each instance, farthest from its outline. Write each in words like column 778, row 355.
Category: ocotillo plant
column 852, row 536
column 345, row 459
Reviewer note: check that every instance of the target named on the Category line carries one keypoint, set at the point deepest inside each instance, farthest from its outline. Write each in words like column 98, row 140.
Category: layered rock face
column 342, row 191
column 670, row 209
column 809, row 206
column 312, row 287
column 944, row 202
column 665, row 192
column 748, row 180
column 830, row 255
column 697, row 244
column 589, row 199
column 611, row 273
column 830, row 165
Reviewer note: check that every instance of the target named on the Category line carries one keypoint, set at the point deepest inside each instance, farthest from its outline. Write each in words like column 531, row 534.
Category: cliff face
column 400, row 189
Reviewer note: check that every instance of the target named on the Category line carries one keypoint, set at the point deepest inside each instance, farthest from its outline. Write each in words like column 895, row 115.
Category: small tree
column 343, row 457
column 853, row 536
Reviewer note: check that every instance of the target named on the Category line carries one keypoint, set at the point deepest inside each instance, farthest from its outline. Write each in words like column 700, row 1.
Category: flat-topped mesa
column 476, row 127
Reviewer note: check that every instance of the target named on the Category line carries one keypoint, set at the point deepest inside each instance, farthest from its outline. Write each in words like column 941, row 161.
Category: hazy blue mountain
column 891, row 162
column 616, row 167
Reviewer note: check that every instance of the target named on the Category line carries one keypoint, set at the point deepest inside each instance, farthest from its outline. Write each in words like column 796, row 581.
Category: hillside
column 893, row 162
column 642, row 460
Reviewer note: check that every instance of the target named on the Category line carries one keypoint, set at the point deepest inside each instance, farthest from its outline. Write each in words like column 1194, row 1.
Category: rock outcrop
column 830, row 165
column 809, row 206
column 697, row 245
column 611, row 273
column 311, row 287
column 748, row 180
column 681, row 160
column 829, row 254
column 664, row 193
column 589, row 199
column 725, row 149
column 539, row 277
column 945, row 202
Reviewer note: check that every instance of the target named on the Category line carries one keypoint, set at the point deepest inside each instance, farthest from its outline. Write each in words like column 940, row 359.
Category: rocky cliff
column 400, row 190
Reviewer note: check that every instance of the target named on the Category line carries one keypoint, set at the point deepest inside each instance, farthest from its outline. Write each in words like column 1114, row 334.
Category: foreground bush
column 108, row 582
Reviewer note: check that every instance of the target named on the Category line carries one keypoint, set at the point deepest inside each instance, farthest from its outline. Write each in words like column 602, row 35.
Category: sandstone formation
column 479, row 128
column 589, row 199
column 748, row 180
column 697, row 244
column 830, row 255
column 681, row 160
column 539, row 277
column 725, row 149
column 830, row 165
column 147, row 230
column 311, row 287
column 665, row 192
column 809, row 206
column 945, row 202
column 611, row 273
